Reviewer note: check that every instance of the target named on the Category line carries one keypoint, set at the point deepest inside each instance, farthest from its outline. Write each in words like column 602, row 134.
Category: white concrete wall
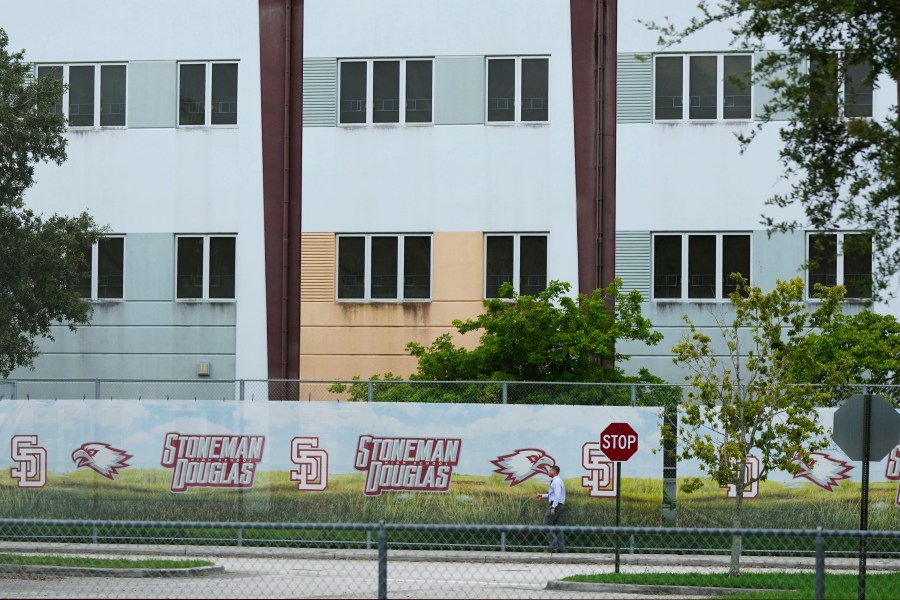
column 445, row 177
column 686, row 177
column 162, row 180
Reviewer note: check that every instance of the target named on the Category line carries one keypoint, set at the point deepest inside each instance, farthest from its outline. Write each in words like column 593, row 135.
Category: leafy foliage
column 853, row 350
column 547, row 337
column 566, row 342
column 843, row 172
column 40, row 257
column 747, row 403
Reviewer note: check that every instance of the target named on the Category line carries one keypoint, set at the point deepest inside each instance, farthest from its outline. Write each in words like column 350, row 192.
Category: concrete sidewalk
column 650, row 561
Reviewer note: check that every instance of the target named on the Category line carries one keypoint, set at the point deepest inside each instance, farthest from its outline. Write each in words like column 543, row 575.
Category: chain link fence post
column 820, row 565
column 382, row 561
column 370, row 391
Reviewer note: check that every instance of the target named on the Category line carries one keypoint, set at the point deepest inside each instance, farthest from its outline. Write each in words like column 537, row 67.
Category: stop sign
column 619, row 441
column 884, row 427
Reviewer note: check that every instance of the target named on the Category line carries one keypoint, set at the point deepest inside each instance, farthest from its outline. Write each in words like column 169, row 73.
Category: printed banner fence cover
column 404, row 462
column 312, row 461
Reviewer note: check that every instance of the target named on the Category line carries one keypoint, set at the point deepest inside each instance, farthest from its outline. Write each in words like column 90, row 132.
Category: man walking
column 556, row 497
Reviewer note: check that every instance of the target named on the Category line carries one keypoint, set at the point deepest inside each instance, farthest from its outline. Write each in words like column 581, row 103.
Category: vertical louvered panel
column 317, row 267
column 633, row 261
column 319, row 92
column 634, row 96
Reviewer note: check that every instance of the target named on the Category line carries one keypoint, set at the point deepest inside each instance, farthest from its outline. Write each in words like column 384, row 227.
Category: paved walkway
column 320, row 573
column 655, row 561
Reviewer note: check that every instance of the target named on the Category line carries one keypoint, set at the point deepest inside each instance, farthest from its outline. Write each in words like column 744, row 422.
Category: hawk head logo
column 523, row 464
column 823, row 470
column 101, row 457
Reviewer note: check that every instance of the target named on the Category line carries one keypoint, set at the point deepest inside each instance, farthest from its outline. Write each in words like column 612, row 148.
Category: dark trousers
column 556, row 538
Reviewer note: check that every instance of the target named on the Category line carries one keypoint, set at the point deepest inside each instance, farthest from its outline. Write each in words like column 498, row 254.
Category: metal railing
column 435, row 560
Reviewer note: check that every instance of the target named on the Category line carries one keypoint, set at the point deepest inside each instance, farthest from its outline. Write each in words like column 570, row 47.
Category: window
column 95, row 96
column 717, row 87
column 205, row 268
column 103, row 276
column 858, row 90
column 397, row 91
column 855, row 90
column 384, row 267
column 840, row 259
column 520, row 259
column 518, row 90
column 207, row 94
column 706, row 274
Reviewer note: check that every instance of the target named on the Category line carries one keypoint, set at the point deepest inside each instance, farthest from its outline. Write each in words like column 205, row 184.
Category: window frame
column 719, row 294
column 207, row 95
column 838, row 265
column 370, row 87
column 517, row 259
column 517, row 83
column 94, row 267
column 97, row 100
column 367, row 267
column 686, row 89
column 841, row 88
column 205, row 267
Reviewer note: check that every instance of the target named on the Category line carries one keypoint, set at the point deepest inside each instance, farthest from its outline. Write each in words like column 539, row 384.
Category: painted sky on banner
column 691, row 468
column 486, row 431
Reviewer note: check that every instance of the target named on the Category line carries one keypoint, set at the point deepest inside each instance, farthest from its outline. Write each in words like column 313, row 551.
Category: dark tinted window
column 110, row 267
column 351, row 267
column 81, row 96
column 189, row 277
column 416, row 267
column 735, row 259
column 532, row 264
column 384, row 267
column 221, row 267
column 822, row 256
column 667, row 266
column 192, row 95
column 501, row 89
column 701, row 266
column 535, row 89
column 498, row 264
column 224, row 94
column 386, row 91
column 112, row 96
column 353, row 92
column 702, row 87
column 669, row 91
column 858, row 265
column 418, row 91
column 736, row 87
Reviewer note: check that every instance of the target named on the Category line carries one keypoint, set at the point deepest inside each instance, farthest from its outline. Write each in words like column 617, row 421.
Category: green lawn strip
column 100, row 563
column 789, row 586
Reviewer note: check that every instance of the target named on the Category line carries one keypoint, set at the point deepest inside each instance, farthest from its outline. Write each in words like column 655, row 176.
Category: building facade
column 163, row 148
column 690, row 204
column 299, row 188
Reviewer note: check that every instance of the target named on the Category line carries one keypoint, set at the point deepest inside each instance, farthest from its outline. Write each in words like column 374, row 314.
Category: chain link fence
column 376, row 390
column 68, row 559
column 483, row 392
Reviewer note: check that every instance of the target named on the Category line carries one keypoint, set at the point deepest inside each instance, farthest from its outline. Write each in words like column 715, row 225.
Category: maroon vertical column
column 593, row 26
column 281, row 78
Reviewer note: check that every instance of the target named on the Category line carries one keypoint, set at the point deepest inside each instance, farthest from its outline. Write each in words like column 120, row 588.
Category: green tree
column 853, row 350
column 746, row 403
column 41, row 258
column 843, row 172
column 547, row 337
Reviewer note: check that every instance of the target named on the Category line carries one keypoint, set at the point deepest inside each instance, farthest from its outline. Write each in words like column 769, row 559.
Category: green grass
column 99, row 563
column 787, row 586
